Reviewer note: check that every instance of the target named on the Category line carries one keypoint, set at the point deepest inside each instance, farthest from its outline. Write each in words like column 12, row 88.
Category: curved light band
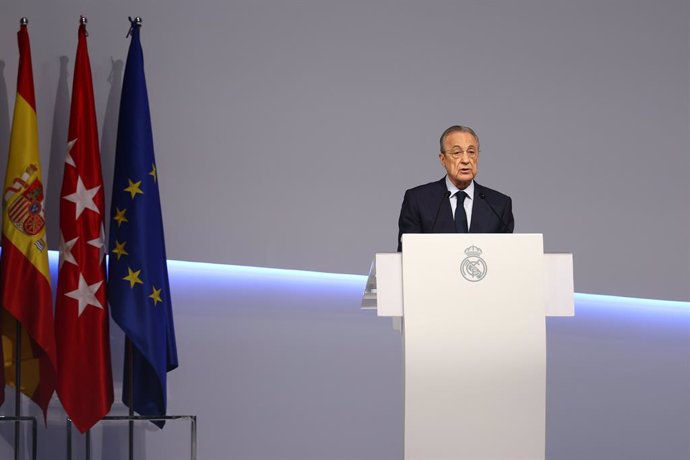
column 342, row 280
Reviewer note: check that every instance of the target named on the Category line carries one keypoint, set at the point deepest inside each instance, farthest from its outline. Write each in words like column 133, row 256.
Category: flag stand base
column 18, row 420
column 129, row 418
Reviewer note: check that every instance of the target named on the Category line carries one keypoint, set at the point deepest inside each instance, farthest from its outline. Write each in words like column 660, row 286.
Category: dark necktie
column 460, row 216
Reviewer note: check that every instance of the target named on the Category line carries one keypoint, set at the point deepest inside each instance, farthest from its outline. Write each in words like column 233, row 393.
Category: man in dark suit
column 433, row 207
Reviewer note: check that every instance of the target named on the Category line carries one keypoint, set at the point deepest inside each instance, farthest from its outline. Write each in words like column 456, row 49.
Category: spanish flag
column 25, row 295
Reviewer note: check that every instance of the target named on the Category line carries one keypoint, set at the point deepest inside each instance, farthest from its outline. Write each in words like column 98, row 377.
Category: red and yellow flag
column 25, row 294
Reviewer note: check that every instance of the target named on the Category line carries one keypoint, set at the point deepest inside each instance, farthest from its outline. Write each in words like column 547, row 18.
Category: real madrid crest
column 473, row 267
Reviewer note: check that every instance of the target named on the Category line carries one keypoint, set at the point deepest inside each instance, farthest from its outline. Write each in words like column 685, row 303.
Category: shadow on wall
column 4, row 121
column 58, row 149
column 109, row 133
column 114, row 440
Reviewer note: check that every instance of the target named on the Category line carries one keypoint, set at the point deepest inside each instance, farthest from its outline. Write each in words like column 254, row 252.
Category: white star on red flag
column 66, row 251
column 83, row 198
column 68, row 158
column 85, row 294
column 99, row 243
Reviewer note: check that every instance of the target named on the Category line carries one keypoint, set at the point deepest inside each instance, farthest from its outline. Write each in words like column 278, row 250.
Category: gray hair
column 457, row 129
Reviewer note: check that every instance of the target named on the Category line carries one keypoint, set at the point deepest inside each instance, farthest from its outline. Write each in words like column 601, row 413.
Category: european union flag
column 138, row 289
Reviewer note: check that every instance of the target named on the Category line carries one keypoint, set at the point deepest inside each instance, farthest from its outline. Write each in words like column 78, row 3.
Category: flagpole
column 130, row 353
column 24, row 21
column 17, row 381
column 87, row 442
column 129, row 347
column 130, row 384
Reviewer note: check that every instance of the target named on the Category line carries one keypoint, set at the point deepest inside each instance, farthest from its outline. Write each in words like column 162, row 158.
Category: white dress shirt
column 467, row 204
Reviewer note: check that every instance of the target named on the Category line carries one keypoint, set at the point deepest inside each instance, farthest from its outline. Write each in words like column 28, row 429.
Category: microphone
column 504, row 225
column 445, row 197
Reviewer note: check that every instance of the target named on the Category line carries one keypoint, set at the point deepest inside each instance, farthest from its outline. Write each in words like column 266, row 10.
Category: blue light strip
column 299, row 276
column 283, row 273
column 609, row 301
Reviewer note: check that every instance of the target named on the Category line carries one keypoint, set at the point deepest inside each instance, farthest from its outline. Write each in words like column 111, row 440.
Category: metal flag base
column 17, row 420
column 128, row 419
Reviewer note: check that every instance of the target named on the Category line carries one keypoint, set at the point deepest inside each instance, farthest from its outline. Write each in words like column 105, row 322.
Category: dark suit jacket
column 421, row 203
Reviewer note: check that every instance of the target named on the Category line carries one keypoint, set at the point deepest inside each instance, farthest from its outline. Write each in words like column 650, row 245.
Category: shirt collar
column 453, row 189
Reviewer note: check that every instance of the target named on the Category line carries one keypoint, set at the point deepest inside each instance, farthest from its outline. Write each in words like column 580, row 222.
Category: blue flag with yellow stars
column 138, row 289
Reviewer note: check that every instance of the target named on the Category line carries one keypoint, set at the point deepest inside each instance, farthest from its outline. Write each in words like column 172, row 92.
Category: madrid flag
column 85, row 382
column 25, row 295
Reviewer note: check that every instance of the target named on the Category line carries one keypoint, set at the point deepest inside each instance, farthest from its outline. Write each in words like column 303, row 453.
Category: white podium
column 474, row 340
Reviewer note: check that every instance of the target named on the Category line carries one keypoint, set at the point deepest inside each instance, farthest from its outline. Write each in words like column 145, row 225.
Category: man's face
column 460, row 158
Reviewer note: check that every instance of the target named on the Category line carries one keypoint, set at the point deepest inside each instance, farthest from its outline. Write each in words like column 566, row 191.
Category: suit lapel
column 445, row 223
column 480, row 211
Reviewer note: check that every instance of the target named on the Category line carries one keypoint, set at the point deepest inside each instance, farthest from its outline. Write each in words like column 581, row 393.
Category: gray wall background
column 287, row 132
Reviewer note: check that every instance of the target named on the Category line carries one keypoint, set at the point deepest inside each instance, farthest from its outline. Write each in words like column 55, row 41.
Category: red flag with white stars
column 85, row 382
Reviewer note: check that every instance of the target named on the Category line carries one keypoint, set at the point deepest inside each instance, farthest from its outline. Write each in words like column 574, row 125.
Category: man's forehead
column 460, row 139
